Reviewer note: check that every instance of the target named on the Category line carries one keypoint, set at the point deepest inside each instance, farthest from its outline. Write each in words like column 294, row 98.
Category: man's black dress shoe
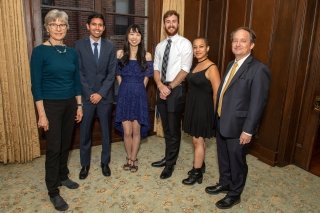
column 167, row 172
column 159, row 163
column 84, row 172
column 105, row 169
column 216, row 189
column 227, row 202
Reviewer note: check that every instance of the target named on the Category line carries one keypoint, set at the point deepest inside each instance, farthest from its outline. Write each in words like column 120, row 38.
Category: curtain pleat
column 19, row 140
column 177, row 5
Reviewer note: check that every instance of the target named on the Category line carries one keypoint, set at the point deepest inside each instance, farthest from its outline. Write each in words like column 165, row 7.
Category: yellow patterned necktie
column 232, row 72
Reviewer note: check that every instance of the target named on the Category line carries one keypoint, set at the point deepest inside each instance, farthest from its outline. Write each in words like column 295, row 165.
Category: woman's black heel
column 195, row 176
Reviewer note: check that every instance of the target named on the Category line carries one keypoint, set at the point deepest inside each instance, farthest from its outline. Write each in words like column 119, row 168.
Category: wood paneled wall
column 286, row 32
column 288, row 41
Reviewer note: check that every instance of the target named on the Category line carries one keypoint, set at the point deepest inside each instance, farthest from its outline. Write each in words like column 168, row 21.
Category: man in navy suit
column 242, row 96
column 97, row 61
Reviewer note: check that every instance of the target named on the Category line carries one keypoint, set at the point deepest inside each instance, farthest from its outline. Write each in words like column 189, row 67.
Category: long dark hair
column 141, row 54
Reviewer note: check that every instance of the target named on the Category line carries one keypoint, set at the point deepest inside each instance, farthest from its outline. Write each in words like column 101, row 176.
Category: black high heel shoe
column 195, row 176
column 203, row 169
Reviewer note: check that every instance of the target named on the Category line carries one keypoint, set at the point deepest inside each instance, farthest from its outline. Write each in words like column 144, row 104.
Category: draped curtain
column 19, row 140
column 177, row 5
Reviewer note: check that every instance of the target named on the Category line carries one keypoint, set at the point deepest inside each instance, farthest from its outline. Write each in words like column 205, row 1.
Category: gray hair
column 54, row 15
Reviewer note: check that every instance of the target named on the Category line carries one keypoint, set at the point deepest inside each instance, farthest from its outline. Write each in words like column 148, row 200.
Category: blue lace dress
column 132, row 103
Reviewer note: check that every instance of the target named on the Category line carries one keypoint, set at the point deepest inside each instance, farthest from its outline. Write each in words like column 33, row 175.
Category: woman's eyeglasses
column 56, row 26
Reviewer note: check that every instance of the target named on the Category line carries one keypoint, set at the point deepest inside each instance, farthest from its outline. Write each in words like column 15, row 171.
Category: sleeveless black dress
column 199, row 109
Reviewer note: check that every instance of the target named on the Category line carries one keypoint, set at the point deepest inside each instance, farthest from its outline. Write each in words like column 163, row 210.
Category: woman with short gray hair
column 56, row 91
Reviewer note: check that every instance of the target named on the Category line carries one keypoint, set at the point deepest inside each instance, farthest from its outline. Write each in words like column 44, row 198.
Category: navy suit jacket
column 97, row 78
column 245, row 98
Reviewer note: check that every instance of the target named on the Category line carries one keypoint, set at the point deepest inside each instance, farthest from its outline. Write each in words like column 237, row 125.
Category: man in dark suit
column 242, row 97
column 97, row 62
column 172, row 62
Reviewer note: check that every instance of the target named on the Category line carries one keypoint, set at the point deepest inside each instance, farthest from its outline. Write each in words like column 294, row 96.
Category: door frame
column 300, row 122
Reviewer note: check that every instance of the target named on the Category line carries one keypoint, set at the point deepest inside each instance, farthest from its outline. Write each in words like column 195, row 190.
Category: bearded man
column 172, row 63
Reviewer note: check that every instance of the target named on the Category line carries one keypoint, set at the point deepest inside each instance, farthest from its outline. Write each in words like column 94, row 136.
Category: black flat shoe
column 160, row 163
column 216, row 189
column 59, row 203
column 105, row 170
column 167, row 172
column 84, row 172
column 227, row 202
column 70, row 184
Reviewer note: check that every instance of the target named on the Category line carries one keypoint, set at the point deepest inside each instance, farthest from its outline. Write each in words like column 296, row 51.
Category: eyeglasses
column 55, row 26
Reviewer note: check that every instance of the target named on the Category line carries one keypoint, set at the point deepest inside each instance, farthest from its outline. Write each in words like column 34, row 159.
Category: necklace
column 59, row 51
column 202, row 60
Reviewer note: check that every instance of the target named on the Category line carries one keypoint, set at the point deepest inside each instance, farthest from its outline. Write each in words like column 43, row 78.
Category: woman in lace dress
column 132, row 117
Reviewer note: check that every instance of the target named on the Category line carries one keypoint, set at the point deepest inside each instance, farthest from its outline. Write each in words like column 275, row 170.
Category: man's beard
column 171, row 34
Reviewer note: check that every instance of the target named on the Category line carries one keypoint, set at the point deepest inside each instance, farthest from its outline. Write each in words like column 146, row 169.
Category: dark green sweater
column 54, row 75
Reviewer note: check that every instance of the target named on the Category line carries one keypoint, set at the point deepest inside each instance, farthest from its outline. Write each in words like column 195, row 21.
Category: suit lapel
column 103, row 50
column 241, row 70
column 89, row 51
column 224, row 77
column 88, row 48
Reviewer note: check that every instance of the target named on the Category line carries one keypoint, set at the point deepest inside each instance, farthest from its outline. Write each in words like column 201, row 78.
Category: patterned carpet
column 268, row 189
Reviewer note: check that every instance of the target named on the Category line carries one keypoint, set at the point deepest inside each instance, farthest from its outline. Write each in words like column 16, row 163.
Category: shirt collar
column 173, row 37
column 240, row 62
column 93, row 41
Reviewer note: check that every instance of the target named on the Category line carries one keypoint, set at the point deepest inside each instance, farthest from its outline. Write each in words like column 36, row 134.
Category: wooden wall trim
column 225, row 21
column 309, row 84
column 290, row 118
column 155, row 18
column 274, row 45
column 262, row 153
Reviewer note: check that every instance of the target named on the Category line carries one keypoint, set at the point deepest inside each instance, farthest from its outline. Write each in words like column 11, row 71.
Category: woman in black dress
column 203, row 83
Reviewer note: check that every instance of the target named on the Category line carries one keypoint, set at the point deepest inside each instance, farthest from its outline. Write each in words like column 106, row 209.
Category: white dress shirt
column 240, row 62
column 180, row 56
column 98, row 46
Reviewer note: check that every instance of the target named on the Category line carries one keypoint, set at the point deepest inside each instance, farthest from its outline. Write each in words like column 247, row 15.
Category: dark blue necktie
column 165, row 61
column 95, row 52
